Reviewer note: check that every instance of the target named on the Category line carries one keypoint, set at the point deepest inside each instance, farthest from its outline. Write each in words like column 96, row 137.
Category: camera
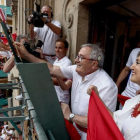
column 36, row 17
column 30, row 50
column 39, row 44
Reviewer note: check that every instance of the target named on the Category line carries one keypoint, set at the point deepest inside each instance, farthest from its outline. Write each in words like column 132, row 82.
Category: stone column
column 22, row 23
column 14, row 12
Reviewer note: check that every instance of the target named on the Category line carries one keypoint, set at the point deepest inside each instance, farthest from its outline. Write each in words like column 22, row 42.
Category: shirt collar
column 61, row 60
column 92, row 75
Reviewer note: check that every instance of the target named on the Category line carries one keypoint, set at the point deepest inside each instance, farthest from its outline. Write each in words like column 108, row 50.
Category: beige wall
column 73, row 17
column 72, row 14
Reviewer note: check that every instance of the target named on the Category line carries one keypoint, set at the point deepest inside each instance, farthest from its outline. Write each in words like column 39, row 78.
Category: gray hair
column 19, row 37
column 96, row 53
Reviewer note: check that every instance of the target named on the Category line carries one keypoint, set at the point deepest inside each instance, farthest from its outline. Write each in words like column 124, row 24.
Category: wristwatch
column 71, row 116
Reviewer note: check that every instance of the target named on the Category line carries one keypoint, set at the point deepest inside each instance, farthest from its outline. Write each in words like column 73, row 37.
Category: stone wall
column 74, row 19
column 73, row 15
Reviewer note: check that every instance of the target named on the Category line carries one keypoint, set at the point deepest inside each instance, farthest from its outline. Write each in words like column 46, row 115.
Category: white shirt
column 2, row 137
column 63, row 95
column 7, row 54
column 131, row 87
column 51, row 37
column 129, row 126
column 80, row 99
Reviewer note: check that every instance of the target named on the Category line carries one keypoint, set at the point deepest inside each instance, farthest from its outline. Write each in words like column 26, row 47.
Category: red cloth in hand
column 101, row 125
column 74, row 135
column 122, row 98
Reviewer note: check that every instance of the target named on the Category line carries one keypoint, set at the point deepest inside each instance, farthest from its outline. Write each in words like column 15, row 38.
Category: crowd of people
column 85, row 75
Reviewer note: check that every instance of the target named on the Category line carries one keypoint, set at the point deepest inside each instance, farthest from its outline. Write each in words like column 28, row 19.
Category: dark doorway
column 103, row 25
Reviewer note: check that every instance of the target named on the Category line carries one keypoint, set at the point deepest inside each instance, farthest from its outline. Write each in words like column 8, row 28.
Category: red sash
column 83, row 129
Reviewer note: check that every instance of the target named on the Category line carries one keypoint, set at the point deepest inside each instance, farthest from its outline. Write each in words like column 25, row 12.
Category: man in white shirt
column 48, row 34
column 87, row 71
column 61, row 48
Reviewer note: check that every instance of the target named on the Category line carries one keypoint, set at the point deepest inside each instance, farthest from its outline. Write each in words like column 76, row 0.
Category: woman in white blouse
column 128, row 119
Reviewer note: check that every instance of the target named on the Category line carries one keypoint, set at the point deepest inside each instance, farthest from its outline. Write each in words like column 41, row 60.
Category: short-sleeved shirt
column 63, row 95
column 80, row 99
column 50, row 39
column 131, row 87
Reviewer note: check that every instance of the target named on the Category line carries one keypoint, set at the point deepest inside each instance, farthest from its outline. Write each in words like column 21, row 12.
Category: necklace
column 136, row 110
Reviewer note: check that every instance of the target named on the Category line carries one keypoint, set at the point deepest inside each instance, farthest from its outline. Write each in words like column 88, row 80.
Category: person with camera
column 11, row 63
column 48, row 34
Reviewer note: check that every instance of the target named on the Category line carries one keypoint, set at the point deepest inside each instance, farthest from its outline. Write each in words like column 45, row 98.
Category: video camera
column 39, row 44
column 32, row 51
column 36, row 17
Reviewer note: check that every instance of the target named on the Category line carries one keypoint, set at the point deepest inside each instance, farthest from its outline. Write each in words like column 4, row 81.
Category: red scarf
column 122, row 98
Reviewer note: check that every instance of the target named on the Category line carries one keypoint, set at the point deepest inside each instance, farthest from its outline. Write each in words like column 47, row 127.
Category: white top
column 131, row 87
column 2, row 137
column 7, row 54
column 63, row 95
column 9, row 132
column 51, row 37
column 129, row 126
column 80, row 99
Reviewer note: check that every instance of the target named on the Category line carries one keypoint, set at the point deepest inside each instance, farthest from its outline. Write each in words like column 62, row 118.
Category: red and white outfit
column 129, row 126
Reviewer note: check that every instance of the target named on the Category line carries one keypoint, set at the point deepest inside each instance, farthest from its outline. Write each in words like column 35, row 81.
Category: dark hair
column 63, row 41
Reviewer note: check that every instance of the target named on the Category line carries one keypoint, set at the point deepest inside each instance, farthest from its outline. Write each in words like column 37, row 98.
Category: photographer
column 48, row 34
column 10, row 63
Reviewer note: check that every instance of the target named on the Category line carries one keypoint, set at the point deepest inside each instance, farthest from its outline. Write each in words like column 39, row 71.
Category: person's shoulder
column 136, row 50
column 55, row 22
column 104, row 77
column 67, row 60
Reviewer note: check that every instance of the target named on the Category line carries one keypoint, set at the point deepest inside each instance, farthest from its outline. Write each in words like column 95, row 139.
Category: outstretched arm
column 65, row 85
column 54, row 70
column 9, row 65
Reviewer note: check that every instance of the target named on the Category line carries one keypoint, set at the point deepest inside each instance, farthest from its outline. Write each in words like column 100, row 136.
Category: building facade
column 106, row 22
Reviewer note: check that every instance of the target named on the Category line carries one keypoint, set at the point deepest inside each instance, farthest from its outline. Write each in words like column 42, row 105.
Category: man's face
column 46, row 10
column 85, row 67
column 60, row 50
column 24, row 40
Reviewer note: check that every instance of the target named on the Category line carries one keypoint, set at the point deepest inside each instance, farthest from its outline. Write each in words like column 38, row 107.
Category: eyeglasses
column 81, row 57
